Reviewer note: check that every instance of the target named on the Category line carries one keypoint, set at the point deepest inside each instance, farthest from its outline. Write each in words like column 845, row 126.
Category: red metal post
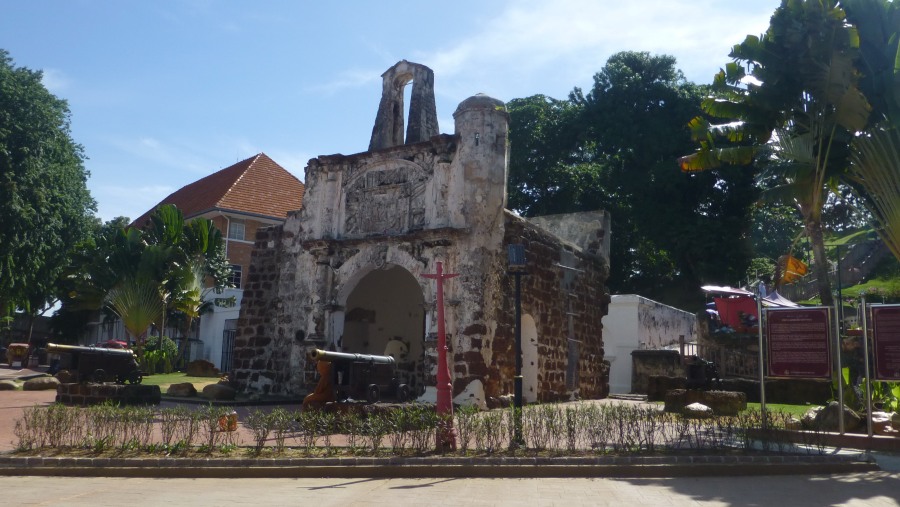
column 446, row 436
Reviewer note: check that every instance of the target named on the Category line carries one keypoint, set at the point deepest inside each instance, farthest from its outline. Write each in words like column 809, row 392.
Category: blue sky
column 163, row 93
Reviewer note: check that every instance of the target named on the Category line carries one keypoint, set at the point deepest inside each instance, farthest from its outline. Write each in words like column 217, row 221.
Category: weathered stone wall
column 588, row 230
column 650, row 363
column 264, row 335
column 565, row 293
column 95, row 394
column 400, row 210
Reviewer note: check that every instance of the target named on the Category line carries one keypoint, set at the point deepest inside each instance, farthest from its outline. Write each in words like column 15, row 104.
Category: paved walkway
column 13, row 402
column 875, row 489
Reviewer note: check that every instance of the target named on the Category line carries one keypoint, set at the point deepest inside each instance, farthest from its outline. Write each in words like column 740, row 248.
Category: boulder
column 41, row 384
column 721, row 402
column 219, row 392
column 881, row 423
column 793, row 424
column 725, row 402
column 201, row 368
column 66, row 377
column 827, row 418
column 697, row 411
column 182, row 389
column 808, row 421
column 8, row 385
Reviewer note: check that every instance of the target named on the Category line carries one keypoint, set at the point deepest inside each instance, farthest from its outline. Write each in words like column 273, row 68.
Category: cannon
column 359, row 376
column 702, row 374
column 99, row 364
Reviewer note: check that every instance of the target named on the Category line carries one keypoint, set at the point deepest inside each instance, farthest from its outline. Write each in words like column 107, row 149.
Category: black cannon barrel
column 56, row 348
column 325, row 355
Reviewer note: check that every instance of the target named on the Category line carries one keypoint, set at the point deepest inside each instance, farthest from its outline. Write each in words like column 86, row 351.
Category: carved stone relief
column 385, row 201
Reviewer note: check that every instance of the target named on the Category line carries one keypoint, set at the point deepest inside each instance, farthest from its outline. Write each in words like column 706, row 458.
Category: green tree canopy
column 613, row 148
column 142, row 275
column 45, row 207
column 790, row 102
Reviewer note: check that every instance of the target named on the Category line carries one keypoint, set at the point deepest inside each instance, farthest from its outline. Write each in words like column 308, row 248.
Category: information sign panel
column 886, row 340
column 797, row 342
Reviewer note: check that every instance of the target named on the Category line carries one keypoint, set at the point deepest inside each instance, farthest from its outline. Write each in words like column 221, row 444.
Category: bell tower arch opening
column 385, row 315
column 390, row 120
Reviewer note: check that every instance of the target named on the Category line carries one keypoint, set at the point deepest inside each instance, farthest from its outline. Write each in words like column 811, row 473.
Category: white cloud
column 563, row 43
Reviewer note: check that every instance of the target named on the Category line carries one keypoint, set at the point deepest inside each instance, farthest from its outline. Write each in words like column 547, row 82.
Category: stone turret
column 482, row 127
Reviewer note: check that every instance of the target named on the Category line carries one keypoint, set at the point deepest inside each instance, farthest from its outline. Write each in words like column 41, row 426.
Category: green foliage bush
column 410, row 429
column 159, row 355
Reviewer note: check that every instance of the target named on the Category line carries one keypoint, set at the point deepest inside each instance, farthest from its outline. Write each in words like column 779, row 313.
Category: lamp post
column 839, row 308
column 446, row 437
column 516, row 257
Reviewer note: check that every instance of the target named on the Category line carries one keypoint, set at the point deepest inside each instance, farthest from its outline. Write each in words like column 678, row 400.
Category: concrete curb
column 436, row 467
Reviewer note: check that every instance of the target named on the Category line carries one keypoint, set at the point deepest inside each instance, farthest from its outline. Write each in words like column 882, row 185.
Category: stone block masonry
column 345, row 273
column 95, row 394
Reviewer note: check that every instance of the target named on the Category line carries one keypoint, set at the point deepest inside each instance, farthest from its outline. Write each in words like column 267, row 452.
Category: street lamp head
column 516, row 256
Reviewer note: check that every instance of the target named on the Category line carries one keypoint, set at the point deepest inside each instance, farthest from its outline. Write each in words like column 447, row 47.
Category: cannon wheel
column 373, row 393
column 135, row 377
column 403, row 393
column 99, row 376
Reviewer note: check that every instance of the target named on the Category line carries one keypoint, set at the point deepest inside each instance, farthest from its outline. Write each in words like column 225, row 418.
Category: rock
column 827, row 418
column 506, row 400
column 725, row 402
column 808, row 421
column 219, row 392
column 698, row 411
column 890, row 432
column 721, row 402
column 895, row 419
column 881, row 421
column 8, row 385
column 66, row 377
column 182, row 389
column 41, row 384
column 201, row 368
column 793, row 424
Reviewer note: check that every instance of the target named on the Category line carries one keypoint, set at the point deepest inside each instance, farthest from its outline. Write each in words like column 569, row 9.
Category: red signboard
column 797, row 343
column 886, row 340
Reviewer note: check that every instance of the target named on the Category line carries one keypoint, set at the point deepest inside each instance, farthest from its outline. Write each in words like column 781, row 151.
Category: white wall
column 212, row 325
column 635, row 322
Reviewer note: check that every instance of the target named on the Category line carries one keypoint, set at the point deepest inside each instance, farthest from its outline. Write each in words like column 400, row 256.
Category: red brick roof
column 256, row 186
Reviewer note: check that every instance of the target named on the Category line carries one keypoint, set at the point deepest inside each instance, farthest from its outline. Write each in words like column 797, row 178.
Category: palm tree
column 792, row 104
column 143, row 274
column 138, row 303
column 875, row 171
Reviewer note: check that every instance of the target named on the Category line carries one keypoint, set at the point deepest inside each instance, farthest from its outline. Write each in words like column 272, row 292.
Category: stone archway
column 530, row 369
column 384, row 315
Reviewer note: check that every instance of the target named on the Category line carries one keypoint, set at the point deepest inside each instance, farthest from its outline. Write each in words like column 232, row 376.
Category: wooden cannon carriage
column 357, row 376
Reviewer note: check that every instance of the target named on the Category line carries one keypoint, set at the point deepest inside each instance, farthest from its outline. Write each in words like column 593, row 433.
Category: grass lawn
column 164, row 380
column 795, row 410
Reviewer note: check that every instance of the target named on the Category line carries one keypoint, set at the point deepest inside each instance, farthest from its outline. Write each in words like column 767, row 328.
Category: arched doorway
column 530, row 368
column 384, row 315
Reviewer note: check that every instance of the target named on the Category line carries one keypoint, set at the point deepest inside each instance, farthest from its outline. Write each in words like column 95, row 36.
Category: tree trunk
column 820, row 260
